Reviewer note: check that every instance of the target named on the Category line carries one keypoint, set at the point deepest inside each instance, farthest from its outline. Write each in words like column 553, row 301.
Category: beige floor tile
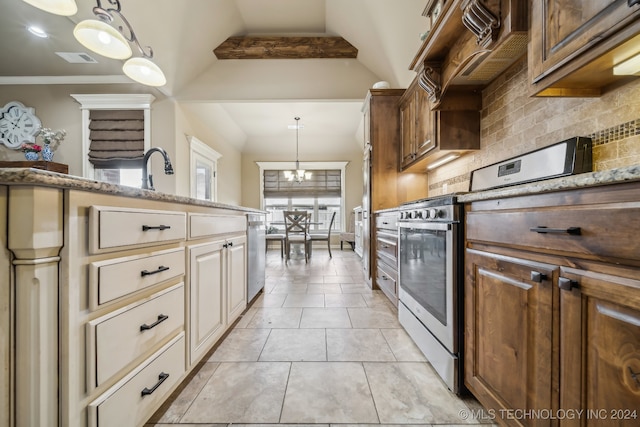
column 241, row 345
column 276, row 318
column 173, row 410
column 402, row 346
column 328, row 392
column 290, row 288
column 323, row 289
column 295, row 345
column 325, row 318
column 344, row 300
column 338, row 279
column 270, row 300
column 355, row 288
column 412, row 393
column 241, row 393
column 245, row 318
column 304, row 300
column 357, row 345
column 373, row 317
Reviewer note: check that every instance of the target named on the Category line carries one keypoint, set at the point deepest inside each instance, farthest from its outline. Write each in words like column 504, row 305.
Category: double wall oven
column 430, row 282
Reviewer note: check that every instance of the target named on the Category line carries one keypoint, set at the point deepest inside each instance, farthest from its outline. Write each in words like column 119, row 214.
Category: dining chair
column 296, row 227
column 325, row 235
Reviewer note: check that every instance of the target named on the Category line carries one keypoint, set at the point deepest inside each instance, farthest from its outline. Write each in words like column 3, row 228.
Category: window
column 204, row 166
column 322, row 195
column 123, row 165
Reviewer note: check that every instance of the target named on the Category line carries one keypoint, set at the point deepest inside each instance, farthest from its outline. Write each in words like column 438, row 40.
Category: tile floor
column 318, row 347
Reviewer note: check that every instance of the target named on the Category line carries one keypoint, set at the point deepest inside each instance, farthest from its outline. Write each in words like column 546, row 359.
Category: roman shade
column 323, row 183
column 117, row 139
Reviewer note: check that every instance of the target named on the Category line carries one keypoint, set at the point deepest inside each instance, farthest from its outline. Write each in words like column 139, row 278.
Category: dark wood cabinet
column 552, row 317
column 599, row 347
column 574, row 44
column 508, row 340
column 429, row 135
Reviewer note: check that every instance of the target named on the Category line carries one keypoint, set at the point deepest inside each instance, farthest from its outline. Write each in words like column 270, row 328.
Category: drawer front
column 134, row 399
column 121, row 337
column 113, row 229
column 112, row 279
column 387, row 247
column 584, row 231
column 387, row 221
column 210, row 225
column 386, row 279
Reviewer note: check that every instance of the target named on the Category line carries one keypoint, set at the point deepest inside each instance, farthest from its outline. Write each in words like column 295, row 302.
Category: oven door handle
column 439, row 226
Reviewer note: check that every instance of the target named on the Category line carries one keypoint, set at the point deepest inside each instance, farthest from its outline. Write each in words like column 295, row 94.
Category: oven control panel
column 434, row 214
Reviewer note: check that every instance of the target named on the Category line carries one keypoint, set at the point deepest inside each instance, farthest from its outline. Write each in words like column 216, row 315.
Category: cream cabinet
column 217, row 281
column 107, row 302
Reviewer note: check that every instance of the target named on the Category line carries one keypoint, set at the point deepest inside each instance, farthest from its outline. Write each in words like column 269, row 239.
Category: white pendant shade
column 57, row 7
column 144, row 71
column 102, row 39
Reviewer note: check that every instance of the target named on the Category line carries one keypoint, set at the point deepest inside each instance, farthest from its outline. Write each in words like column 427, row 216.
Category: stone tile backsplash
column 513, row 123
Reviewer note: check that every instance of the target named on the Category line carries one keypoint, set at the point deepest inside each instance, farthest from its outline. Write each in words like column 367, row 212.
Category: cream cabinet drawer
column 112, row 228
column 115, row 278
column 121, row 337
column 134, row 399
column 203, row 225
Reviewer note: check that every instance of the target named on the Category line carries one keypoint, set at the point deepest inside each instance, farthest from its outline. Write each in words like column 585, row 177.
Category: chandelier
column 298, row 175
column 101, row 37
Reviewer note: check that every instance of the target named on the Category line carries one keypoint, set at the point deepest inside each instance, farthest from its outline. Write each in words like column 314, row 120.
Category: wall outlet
column 444, row 188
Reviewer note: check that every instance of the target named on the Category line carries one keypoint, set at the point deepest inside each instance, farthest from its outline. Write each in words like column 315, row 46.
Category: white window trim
column 307, row 166
column 111, row 102
column 197, row 147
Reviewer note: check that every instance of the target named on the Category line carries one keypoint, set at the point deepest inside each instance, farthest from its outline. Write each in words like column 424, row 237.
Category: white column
column 35, row 239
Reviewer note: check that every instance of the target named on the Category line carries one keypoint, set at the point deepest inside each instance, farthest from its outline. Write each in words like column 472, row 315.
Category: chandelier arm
column 107, row 16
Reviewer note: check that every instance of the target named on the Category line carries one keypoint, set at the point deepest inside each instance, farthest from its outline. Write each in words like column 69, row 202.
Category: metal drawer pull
column 575, row 231
column 147, row 391
column 149, row 273
column 567, row 284
column 161, row 318
column 538, row 277
column 157, row 227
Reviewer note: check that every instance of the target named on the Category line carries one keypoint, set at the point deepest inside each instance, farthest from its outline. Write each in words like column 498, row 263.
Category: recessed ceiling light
column 38, row 32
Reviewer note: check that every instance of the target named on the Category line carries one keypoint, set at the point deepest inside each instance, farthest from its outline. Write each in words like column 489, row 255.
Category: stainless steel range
column 430, row 282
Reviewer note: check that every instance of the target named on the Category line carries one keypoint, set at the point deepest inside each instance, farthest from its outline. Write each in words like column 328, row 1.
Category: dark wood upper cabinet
column 575, row 44
column 470, row 44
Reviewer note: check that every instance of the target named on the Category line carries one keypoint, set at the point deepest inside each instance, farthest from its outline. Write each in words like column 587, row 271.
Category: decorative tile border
column 616, row 133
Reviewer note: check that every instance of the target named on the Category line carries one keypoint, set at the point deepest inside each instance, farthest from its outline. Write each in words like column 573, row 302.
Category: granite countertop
column 583, row 180
column 26, row 176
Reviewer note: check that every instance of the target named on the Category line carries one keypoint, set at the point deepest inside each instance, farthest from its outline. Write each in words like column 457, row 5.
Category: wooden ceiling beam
column 284, row 47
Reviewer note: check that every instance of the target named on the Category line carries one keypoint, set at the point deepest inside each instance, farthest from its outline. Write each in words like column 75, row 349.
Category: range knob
column 434, row 213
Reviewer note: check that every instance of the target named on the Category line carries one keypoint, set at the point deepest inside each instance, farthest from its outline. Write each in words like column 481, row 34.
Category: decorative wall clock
column 18, row 124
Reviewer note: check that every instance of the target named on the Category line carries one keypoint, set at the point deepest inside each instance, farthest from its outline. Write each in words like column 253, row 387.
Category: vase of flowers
column 31, row 151
column 51, row 140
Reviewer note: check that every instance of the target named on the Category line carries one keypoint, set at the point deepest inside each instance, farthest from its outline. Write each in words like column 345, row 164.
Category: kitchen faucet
column 147, row 180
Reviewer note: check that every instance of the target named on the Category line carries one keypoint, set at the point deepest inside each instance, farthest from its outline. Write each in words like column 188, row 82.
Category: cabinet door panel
column 206, row 280
column 600, row 348
column 425, row 124
column 407, row 125
column 508, row 332
column 237, row 281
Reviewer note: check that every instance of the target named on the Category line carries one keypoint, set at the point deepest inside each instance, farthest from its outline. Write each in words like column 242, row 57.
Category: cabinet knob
column 567, row 284
column 538, row 277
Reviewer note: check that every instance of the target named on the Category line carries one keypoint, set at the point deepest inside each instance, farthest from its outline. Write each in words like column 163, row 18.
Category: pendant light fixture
column 298, row 175
column 57, row 7
column 103, row 37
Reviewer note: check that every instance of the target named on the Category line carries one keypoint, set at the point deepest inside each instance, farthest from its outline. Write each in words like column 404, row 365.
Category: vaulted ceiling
column 249, row 101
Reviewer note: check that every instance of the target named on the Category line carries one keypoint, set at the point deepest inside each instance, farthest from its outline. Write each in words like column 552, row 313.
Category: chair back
column 296, row 223
column 333, row 218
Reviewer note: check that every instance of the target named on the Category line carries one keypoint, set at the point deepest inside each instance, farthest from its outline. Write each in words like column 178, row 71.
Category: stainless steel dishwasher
column 256, row 245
